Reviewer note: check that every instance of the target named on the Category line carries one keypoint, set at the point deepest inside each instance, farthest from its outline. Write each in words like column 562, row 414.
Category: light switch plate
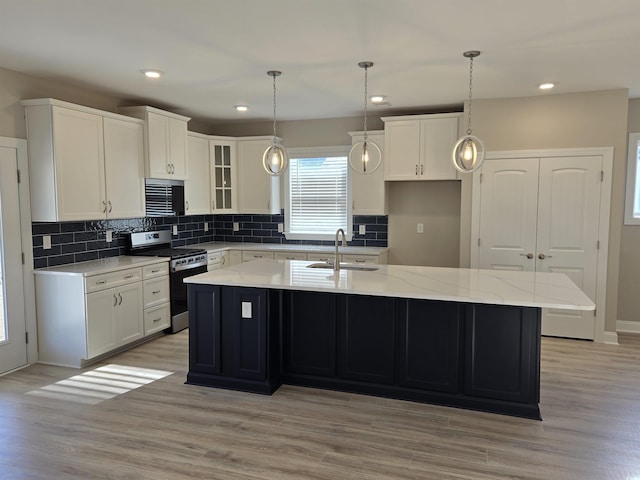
column 246, row 310
column 280, row 227
column 46, row 242
column 236, row 226
column 421, row 228
column 362, row 230
column 108, row 236
column 175, row 229
column 206, row 226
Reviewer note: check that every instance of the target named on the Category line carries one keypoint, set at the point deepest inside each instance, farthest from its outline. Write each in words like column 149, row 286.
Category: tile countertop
column 277, row 247
column 105, row 265
column 497, row 287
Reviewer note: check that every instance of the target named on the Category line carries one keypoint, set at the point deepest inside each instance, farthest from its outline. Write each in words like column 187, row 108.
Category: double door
column 542, row 215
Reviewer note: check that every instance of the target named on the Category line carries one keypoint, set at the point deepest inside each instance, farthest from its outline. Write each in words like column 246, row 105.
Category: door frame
column 603, row 228
column 27, row 244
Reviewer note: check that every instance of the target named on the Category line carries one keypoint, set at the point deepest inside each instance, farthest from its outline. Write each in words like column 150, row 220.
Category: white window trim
column 632, row 179
column 316, row 152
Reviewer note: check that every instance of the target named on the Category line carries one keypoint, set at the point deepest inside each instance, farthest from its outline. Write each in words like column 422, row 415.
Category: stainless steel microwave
column 163, row 198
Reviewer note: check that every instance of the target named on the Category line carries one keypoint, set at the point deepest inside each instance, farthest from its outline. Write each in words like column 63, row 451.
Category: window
column 317, row 196
column 632, row 201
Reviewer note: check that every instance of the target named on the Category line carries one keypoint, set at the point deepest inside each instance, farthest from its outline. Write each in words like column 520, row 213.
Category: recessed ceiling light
column 152, row 73
column 377, row 99
column 546, row 85
column 241, row 108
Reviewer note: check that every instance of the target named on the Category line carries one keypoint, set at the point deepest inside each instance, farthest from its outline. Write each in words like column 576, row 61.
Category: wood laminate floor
column 590, row 402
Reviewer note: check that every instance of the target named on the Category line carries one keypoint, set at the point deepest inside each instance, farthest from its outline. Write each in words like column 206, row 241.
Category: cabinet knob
column 104, row 206
column 416, row 169
column 421, row 169
column 110, row 206
column 115, row 300
column 187, row 205
column 120, row 299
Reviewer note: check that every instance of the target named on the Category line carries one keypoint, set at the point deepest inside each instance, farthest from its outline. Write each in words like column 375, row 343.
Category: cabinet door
column 438, row 137
column 428, row 339
column 402, row 150
column 79, row 160
column 129, row 315
column 245, row 315
column 369, row 192
column 205, row 355
column 366, row 339
column 158, row 159
column 101, row 325
column 197, row 190
column 310, row 333
column 178, row 149
column 509, row 368
column 223, row 175
column 124, row 168
column 258, row 192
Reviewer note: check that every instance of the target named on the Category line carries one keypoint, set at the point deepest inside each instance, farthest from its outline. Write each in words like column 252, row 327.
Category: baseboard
column 627, row 326
column 610, row 337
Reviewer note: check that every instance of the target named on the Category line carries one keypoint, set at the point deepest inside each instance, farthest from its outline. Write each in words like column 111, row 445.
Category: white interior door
column 567, row 240
column 13, row 347
column 542, row 214
column 508, row 214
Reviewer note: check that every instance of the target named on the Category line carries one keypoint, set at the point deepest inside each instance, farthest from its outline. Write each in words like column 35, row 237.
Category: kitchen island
column 458, row 337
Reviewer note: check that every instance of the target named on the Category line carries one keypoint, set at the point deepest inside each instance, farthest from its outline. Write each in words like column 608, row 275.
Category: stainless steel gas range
column 184, row 262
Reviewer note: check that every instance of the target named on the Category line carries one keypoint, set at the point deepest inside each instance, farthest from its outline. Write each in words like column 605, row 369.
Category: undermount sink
column 345, row 266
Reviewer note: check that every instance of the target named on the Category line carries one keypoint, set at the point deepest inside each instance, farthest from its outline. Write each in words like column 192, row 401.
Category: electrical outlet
column 46, row 242
column 421, row 228
column 362, row 230
column 175, row 229
column 236, row 227
column 206, row 226
column 280, row 227
column 108, row 236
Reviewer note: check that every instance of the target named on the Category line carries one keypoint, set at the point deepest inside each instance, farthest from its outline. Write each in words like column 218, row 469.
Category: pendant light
column 275, row 158
column 365, row 157
column 468, row 153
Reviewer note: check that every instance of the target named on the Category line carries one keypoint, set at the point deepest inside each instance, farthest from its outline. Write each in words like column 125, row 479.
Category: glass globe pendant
column 469, row 151
column 365, row 157
column 275, row 158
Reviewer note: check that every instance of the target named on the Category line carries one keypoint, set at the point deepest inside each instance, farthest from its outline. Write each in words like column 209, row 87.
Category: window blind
column 318, row 195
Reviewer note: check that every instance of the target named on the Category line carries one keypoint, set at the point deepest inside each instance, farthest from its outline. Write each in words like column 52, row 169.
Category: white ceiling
column 215, row 53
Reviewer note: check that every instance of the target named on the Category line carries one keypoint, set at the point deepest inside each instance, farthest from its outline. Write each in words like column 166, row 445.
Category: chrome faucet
column 336, row 261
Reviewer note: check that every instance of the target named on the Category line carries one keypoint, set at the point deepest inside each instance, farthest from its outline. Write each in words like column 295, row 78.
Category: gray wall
column 629, row 287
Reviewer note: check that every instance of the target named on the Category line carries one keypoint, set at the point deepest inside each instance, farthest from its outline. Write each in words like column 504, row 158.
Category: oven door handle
column 190, row 266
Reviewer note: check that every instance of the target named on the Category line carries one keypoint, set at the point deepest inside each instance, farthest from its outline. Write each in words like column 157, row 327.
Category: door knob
column 542, row 256
column 528, row 255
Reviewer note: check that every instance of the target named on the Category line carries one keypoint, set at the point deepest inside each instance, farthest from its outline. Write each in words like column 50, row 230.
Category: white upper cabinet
column 84, row 164
column 166, row 142
column 197, row 190
column 258, row 192
column 369, row 192
column 222, row 151
column 124, row 167
column 419, row 147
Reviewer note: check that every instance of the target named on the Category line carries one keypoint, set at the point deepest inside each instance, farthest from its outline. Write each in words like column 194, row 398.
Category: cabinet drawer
column 320, row 257
column 248, row 255
column 156, row 291
column 290, row 256
column 155, row 270
column 94, row 283
column 157, row 319
column 220, row 259
column 360, row 258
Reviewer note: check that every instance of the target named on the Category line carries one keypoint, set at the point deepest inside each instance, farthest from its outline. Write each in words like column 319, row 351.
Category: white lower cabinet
column 249, row 255
column 82, row 317
column 290, row 256
column 216, row 260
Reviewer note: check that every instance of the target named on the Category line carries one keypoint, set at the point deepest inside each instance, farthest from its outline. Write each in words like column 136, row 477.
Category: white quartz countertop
column 528, row 289
column 277, row 247
column 105, row 265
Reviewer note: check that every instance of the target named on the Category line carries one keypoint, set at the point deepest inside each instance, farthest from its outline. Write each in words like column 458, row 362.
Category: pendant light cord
column 365, row 102
column 274, row 107
column 470, row 87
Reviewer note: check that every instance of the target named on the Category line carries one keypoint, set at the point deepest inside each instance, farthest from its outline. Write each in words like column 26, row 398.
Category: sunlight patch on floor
column 100, row 384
